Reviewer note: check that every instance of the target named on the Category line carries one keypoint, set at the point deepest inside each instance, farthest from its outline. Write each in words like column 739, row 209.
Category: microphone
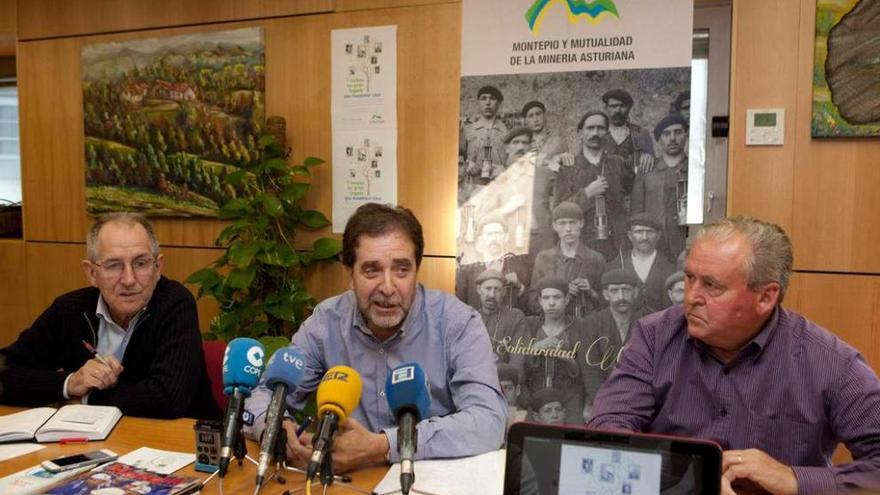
column 338, row 394
column 283, row 374
column 242, row 367
column 410, row 401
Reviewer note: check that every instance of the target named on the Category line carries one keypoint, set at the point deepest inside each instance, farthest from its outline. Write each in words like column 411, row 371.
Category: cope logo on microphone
column 403, row 374
column 341, row 376
column 295, row 361
column 255, row 358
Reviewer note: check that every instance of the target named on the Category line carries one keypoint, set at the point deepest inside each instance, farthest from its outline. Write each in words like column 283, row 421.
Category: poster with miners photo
column 572, row 185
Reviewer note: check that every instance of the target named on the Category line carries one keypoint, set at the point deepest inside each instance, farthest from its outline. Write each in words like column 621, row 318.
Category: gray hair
column 771, row 258
column 123, row 217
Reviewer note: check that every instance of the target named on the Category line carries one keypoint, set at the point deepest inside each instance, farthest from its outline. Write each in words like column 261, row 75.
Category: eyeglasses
column 115, row 268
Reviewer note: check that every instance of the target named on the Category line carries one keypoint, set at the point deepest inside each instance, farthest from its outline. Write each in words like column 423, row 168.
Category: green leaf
column 312, row 161
column 236, row 177
column 204, row 277
column 241, row 278
column 295, row 191
column 275, row 164
column 272, row 206
column 300, row 170
column 259, row 328
column 325, row 248
column 266, row 140
column 241, row 253
column 273, row 343
column 301, row 296
column 281, row 311
column 230, row 232
column 235, row 208
column 283, row 255
column 314, row 219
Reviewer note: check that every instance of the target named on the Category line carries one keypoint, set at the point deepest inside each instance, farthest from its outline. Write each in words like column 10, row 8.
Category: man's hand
column 299, row 450
column 580, row 284
column 356, row 447
column 753, row 471
column 567, row 159
column 597, row 187
column 646, row 163
column 94, row 375
column 559, row 161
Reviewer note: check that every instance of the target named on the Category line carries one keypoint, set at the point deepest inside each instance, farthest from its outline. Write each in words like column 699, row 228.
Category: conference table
column 178, row 435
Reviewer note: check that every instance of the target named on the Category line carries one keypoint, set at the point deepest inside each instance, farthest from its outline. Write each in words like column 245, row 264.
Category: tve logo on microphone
column 403, row 374
column 255, row 358
column 295, row 361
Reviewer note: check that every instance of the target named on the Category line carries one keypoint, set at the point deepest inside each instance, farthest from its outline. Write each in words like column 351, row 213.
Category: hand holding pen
column 98, row 373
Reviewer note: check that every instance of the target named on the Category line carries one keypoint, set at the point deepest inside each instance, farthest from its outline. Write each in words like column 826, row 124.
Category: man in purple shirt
column 776, row 391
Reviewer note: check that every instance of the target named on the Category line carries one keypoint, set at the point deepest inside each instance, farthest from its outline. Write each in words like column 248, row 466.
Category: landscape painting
column 167, row 120
column 846, row 95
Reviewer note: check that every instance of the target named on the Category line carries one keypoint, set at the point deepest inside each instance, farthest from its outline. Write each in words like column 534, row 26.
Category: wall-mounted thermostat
column 765, row 126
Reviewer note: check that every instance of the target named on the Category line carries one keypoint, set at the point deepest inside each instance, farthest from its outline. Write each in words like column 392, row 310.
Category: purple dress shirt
column 794, row 391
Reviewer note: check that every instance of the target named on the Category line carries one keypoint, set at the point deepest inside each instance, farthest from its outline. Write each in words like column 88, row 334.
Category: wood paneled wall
column 60, row 18
column 297, row 87
column 8, row 27
column 14, row 314
column 821, row 191
column 297, row 37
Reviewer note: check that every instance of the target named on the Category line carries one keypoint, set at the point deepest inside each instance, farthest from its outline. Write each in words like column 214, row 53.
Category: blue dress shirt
column 446, row 337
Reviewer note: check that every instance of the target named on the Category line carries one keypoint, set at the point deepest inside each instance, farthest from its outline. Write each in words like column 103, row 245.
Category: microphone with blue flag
column 283, row 374
column 409, row 399
column 242, row 367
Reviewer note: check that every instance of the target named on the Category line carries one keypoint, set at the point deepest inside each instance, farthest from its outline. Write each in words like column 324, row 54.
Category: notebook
column 550, row 460
column 47, row 424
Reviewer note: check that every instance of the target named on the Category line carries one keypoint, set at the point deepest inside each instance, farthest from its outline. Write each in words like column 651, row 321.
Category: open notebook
column 47, row 424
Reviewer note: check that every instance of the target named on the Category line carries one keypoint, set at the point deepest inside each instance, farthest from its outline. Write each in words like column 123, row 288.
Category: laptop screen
column 551, row 460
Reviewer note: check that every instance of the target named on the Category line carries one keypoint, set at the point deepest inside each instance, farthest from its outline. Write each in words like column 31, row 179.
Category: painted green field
column 104, row 199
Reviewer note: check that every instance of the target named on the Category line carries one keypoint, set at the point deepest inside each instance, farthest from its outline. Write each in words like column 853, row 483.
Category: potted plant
column 258, row 280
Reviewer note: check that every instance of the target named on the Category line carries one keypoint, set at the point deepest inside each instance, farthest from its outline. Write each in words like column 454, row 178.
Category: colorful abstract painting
column 846, row 86
column 167, row 120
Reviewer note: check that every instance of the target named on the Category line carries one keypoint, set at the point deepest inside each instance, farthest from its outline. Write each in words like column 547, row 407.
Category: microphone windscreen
column 407, row 391
column 339, row 391
column 242, row 365
column 286, row 366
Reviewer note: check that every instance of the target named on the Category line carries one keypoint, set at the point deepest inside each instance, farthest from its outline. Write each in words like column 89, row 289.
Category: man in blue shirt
column 386, row 319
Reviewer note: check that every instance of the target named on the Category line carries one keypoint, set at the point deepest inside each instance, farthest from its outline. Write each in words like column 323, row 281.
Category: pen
column 94, row 352
column 67, row 441
column 305, row 424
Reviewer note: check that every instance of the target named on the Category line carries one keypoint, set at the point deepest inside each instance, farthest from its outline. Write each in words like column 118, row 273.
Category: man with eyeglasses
column 130, row 340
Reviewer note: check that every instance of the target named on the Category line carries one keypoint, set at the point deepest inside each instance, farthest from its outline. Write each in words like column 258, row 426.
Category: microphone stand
column 239, row 450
